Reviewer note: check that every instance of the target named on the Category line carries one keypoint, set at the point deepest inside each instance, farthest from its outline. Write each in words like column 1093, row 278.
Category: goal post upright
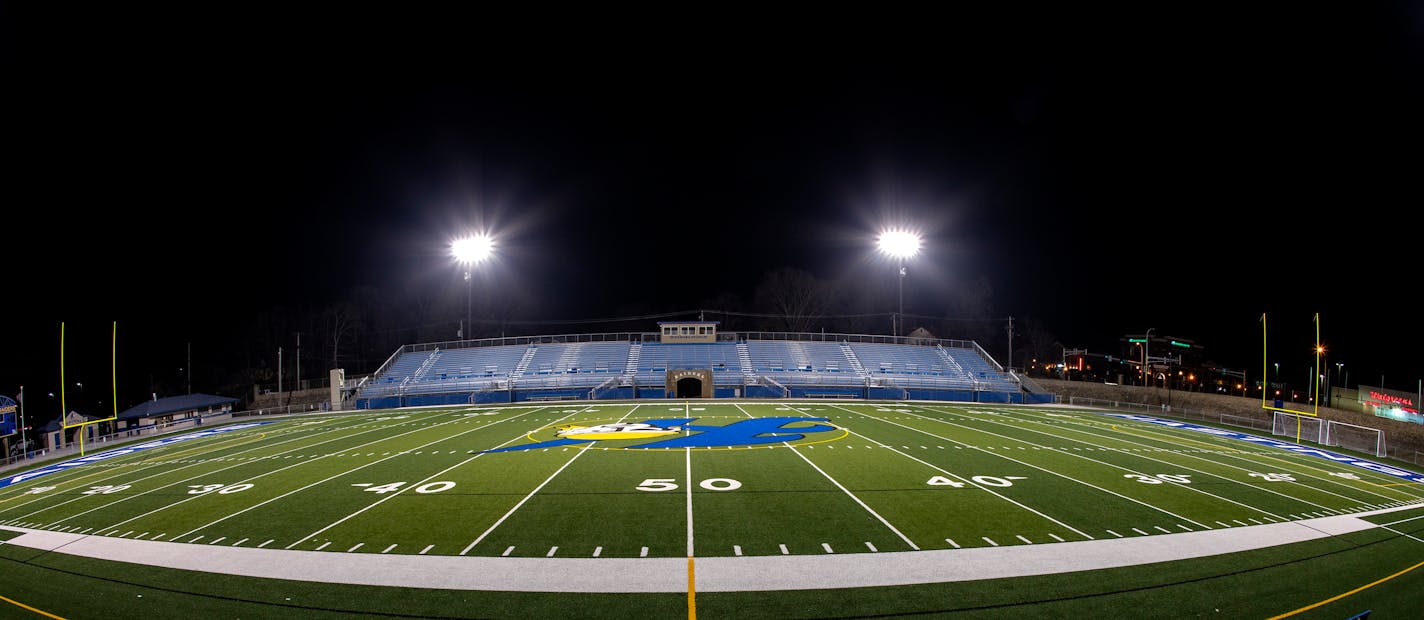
column 1315, row 376
column 114, row 379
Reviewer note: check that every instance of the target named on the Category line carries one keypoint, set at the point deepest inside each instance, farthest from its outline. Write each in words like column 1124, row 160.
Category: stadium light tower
column 470, row 251
column 899, row 244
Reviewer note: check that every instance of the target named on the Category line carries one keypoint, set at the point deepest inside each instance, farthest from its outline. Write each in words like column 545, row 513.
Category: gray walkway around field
column 712, row 574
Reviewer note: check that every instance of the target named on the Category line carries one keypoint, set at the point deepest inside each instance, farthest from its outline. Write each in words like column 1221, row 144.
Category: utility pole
column 279, row 370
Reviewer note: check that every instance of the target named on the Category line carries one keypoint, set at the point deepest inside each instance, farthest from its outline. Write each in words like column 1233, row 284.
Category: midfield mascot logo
column 682, row 433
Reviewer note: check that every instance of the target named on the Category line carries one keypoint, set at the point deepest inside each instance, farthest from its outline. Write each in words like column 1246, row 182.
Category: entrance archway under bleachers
column 689, row 383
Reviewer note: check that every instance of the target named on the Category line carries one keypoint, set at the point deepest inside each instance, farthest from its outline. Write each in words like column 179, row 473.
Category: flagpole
column 24, row 445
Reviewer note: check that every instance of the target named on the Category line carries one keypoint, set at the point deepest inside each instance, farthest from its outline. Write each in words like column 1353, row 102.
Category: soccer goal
column 1298, row 427
column 1355, row 437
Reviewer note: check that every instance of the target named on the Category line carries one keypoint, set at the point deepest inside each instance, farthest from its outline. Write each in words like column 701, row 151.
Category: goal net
column 1298, row 427
column 1353, row 437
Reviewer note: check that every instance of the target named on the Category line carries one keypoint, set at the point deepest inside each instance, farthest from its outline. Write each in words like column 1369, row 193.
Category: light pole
column 900, row 245
column 469, row 251
column 1146, row 348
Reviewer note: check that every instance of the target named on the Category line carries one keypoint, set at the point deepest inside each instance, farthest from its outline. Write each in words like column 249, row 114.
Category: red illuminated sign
column 1394, row 400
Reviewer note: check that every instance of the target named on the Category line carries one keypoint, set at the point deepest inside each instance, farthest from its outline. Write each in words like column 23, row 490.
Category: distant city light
column 473, row 249
column 899, row 243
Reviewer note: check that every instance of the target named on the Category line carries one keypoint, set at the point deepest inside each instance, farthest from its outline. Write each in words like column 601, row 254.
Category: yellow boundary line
column 691, row 592
column 1340, row 596
column 28, row 608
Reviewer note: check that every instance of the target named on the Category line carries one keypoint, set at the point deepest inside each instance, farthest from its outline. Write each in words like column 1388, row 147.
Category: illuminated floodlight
column 899, row 243
column 474, row 249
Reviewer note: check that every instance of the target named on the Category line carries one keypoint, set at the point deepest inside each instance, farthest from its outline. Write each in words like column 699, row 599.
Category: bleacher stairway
column 852, row 359
column 745, row 356
column 630, row 370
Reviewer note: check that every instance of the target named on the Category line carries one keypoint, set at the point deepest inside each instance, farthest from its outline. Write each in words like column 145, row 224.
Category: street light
column 900, row 245
column 469, row 251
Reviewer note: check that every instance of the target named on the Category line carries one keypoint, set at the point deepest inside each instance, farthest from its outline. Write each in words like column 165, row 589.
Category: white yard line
column 577, row 453
column 165, row 471
column 867, row 508
column 298, row 490
column 1085, row 458
column 1200, row 458
column 971, row 482
column 403, row 488
column 1297, row 459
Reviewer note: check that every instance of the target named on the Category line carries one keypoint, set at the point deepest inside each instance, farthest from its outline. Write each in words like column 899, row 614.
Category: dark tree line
column 361, row 330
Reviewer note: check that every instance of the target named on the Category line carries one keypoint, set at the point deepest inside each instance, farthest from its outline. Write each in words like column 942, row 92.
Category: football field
column 692, row 479
column 680, row 479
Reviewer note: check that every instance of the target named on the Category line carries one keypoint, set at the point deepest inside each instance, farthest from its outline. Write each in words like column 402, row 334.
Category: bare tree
column 343, row 322
column 799, row 300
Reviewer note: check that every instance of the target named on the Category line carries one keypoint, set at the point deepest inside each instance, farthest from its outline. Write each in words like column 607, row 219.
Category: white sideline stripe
column 952, row 543
column 986, row 539
column 909, row 542
column 736, row 549
column 783, row 550
column 555, row 548
column 597, row 551
column 388, row 549
column 426, row 549
column 872, row 546
column 827, row 547
column 643, row 553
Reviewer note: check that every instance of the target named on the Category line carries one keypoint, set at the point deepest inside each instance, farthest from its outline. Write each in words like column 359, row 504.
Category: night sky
column 1100, row 173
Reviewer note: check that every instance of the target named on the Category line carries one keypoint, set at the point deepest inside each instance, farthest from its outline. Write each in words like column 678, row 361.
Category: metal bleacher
column 586, row 366
column 720, row 357
column 573, row 364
